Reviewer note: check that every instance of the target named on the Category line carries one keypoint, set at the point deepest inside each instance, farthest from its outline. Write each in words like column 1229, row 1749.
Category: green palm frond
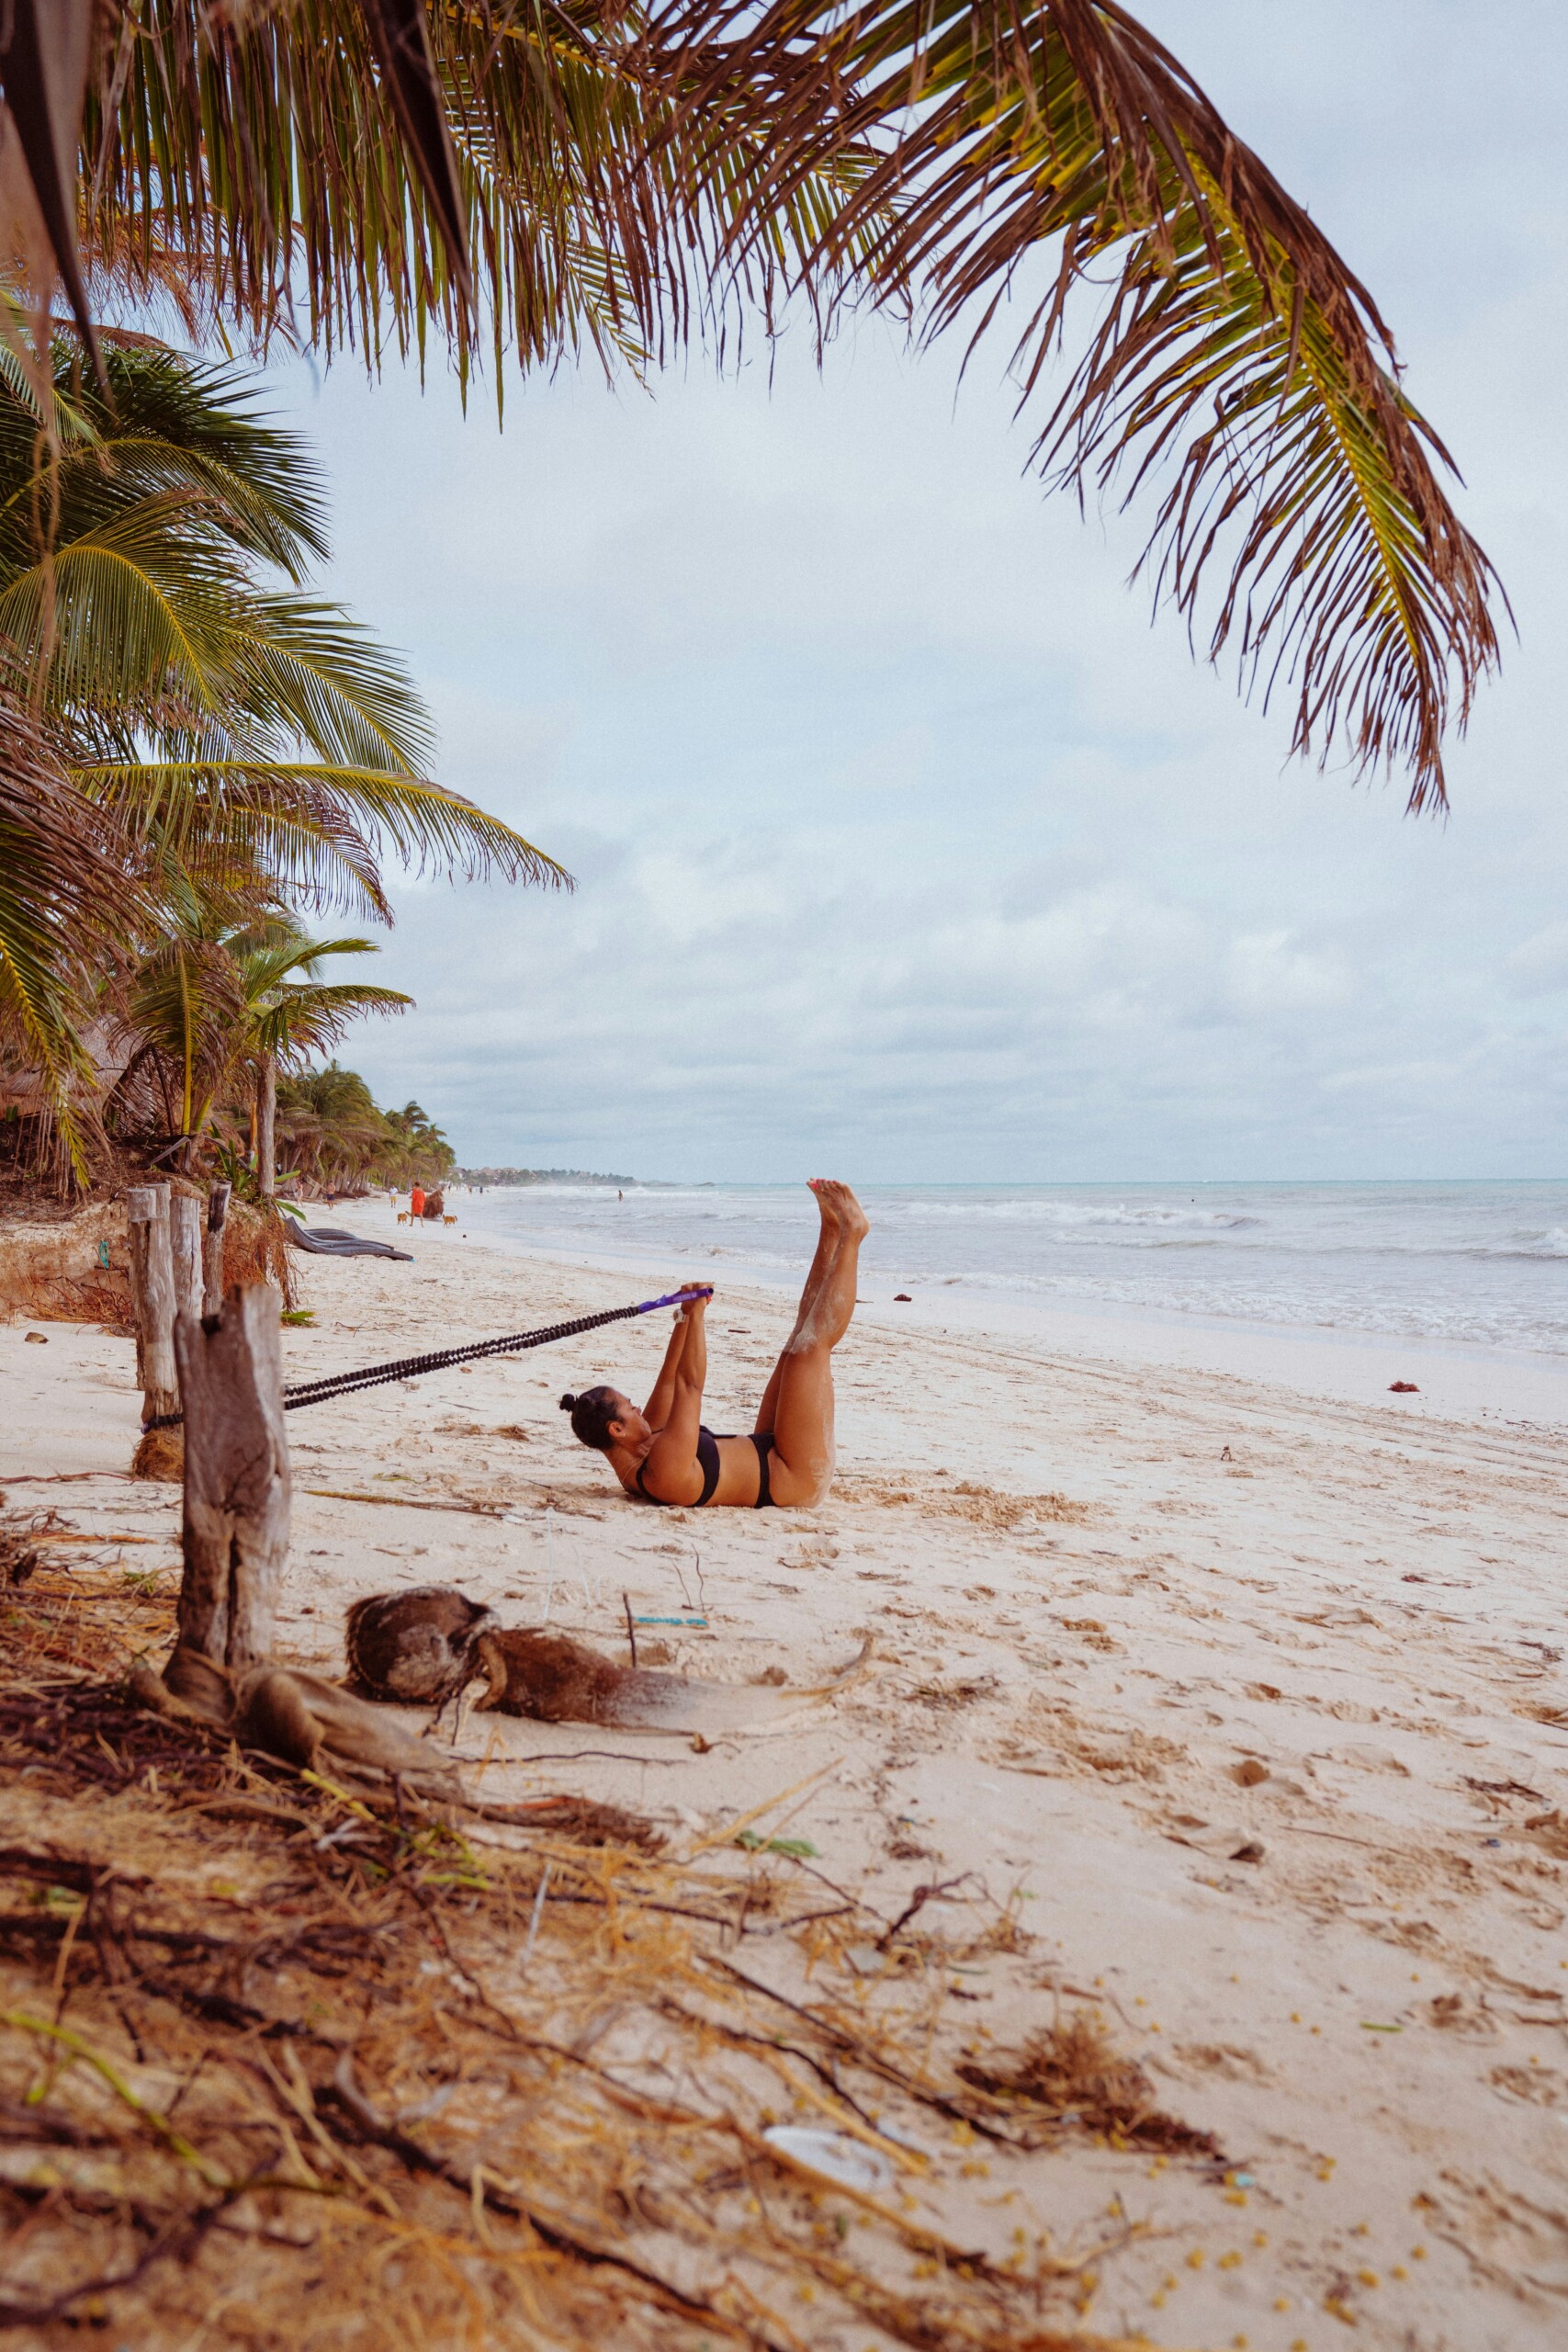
column 306, row 1020
column 236, row 728
column 305, row 669
column 317, row 826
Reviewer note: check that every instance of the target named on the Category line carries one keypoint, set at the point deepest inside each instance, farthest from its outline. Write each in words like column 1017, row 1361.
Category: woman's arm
column 671, row 1459
column 662, row 1393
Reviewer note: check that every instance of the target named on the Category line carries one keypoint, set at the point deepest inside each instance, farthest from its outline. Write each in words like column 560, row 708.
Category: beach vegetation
column 202, row 755
column 337, row 1139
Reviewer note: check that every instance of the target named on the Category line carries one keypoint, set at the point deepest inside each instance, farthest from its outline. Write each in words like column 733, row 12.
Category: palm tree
column 290, row 1019
column 184, row 689
column 493, row 174
column 336, row 1135
column 64, row 898
column 184, row 747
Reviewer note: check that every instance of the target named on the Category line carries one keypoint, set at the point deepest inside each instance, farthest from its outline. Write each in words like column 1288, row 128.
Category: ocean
column 1480, row 1264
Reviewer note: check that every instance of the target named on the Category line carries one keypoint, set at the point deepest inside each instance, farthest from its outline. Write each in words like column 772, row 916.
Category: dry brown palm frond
column 1239, row 371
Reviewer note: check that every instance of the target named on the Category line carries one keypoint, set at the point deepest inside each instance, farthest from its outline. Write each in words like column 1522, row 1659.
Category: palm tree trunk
column 266, row 1127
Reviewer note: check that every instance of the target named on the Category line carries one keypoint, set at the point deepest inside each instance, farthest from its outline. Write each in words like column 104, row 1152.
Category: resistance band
column 342, row 1384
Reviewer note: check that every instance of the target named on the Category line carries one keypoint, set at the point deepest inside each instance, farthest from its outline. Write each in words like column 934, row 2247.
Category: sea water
column 1479, row 1263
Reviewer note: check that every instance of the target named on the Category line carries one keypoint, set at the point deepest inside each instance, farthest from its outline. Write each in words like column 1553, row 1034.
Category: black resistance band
column 342, row 1384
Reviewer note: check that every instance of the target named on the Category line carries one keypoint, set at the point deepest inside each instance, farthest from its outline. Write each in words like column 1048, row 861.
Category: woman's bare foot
column 823, row 1190
column 838, row 1203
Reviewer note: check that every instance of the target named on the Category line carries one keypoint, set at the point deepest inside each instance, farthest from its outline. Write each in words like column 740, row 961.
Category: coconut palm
column 64, row 898
column 334, row 1134
column 496, row 174
column 181, row 741
column 212, row 1010
column 292, row 1013
column 223, row 718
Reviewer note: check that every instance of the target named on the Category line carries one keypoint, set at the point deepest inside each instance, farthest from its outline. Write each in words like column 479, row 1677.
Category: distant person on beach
column 665, row 1455
column 416, row 1203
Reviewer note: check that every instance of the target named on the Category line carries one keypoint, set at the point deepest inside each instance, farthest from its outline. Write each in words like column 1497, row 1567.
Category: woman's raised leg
column 802, row 1464
column 826, row 1242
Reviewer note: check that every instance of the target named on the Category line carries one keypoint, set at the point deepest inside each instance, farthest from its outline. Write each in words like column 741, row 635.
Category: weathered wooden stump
column 237, row 1488
column 158, row 1455
column 184, row 1250
column 212, row 1250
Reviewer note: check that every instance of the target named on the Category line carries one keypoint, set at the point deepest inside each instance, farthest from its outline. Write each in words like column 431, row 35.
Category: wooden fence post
column 152, row 1299
column 212, row 1250
column 237, row 1485
column 185, row 1248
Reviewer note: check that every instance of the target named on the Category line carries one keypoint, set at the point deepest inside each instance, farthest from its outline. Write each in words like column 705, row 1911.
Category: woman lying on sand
column 665, row 1455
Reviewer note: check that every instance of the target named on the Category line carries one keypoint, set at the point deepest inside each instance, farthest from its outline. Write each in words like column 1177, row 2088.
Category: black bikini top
column 707, row 1461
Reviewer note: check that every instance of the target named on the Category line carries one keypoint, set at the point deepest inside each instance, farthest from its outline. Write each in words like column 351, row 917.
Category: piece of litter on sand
column 1402, row 1388
column 670, row 1621
column 833, row 2156
column 36, row 1339
column 902, row 1298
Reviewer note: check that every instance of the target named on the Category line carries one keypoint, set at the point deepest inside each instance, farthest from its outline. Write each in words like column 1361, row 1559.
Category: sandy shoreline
column 1457, row 1379
column 1100, row 1587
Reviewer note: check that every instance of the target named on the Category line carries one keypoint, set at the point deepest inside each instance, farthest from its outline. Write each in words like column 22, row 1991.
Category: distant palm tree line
column 333, row 1139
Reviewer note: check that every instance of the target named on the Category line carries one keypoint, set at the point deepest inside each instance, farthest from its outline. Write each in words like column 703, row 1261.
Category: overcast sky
column 905, row 847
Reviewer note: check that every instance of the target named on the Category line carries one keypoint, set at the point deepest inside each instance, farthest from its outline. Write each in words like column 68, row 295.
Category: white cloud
column 1541, row 961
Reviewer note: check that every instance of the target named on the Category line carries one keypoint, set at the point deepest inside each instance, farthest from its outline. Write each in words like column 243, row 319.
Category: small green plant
column 236, row 1171
column 799, row 1850
column 302, row 1318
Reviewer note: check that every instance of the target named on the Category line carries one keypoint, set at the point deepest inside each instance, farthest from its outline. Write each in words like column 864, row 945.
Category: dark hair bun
column 568, row 1403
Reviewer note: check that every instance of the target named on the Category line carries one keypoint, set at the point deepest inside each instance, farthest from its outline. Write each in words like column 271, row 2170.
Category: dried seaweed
column 309, row 2060
column 1071, row 2073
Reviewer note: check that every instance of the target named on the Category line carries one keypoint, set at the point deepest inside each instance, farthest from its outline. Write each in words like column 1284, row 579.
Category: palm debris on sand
column 284, row 2056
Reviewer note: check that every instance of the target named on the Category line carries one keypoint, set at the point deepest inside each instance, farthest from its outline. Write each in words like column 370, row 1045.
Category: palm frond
column 303, row 665
column 1240, row 372
column 316, row 825
column 306, row 1020
column 63, row 898
column 621, row 179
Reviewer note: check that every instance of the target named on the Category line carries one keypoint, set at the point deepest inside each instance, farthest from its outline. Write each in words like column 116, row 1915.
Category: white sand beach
column 1237, row 1691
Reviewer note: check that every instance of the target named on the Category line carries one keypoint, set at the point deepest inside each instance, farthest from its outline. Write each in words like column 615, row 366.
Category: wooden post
column 212, row 1250
column 185, row 1248
column 266, row 1127
column 152, row 1299
column 237, row 1485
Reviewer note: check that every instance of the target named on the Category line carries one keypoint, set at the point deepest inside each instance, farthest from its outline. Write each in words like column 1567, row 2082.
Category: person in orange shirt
column 416, row 1203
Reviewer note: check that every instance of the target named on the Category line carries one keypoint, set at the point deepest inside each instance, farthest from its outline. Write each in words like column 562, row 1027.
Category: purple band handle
column 676, row 1299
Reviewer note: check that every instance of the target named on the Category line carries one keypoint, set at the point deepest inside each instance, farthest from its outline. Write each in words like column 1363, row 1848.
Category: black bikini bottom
column 707, row 1457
